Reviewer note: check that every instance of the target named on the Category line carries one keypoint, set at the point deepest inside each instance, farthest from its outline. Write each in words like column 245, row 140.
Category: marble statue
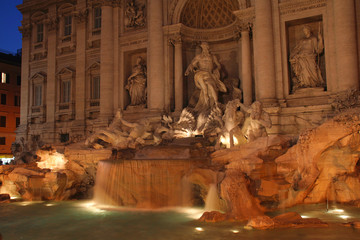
column 135, row 15
column 303, row 61
column 122, row 134
column 136, row 84
column 207, row 78
column 255, row 125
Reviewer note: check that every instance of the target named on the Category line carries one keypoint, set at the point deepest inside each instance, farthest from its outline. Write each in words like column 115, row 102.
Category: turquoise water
column 80, row 220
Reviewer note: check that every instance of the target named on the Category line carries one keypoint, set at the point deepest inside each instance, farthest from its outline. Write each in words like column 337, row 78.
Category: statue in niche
column 207, row 78
column 303, row 61
column 255, row 125
column 135, row 15
column 136, row 84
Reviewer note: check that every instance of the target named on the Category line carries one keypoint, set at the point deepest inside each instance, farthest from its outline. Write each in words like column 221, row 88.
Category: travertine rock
column 4, row 198
column 235, row 191
column 213, row 216
column 261, row 222
column 323, row 163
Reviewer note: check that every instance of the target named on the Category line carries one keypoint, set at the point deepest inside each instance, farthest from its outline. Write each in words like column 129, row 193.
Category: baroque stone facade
column 78, row 56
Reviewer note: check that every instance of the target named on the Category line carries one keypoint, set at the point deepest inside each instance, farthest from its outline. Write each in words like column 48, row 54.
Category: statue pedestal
column 308, row 97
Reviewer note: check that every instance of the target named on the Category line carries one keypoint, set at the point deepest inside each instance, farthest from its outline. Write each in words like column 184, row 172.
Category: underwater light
column 88, row 204
column 194, row 213
column 50, row 204
column 336, row 210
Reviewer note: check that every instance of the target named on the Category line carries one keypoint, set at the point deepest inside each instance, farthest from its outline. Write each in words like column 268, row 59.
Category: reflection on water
column 83, row 220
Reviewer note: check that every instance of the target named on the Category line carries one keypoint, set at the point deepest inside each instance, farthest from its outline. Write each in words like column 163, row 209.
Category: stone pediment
column 39, row 76
column 66, row 70
column 95, row 65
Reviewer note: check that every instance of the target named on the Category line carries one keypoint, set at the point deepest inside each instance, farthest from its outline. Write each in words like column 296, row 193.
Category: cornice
column 300, row 5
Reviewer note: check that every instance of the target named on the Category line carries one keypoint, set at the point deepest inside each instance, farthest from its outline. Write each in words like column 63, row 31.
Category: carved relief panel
column 134, row 14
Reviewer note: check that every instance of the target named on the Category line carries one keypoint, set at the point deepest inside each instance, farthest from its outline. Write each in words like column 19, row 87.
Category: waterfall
column 142, row 183
column 212, row 201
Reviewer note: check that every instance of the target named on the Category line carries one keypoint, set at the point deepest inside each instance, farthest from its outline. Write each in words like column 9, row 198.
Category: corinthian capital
column 52, row 23
column 25, row 29
column 81, row 15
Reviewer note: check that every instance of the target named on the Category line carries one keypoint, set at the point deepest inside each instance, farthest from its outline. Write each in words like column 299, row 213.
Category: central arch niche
column 208, row 14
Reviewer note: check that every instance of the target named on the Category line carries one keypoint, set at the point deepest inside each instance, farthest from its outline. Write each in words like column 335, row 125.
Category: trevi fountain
column 224, row 159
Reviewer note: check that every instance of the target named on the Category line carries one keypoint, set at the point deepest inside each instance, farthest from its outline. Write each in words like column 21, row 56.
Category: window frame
column 3, row 121
column 38, row 95
column 67, row 28
column 5, row 78
column 95, row 87
column 3, row 96
column 39, row 32
column 97, row 18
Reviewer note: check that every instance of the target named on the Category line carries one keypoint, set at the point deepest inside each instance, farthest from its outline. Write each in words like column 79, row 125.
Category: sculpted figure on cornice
column 136, row 84
column 135, row 14
column 207, row 78
column 304, row 60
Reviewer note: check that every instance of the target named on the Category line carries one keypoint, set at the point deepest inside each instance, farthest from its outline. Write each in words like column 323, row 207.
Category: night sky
column 10, row 20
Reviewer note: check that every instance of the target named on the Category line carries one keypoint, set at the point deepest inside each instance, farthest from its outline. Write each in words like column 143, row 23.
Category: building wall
column 11, row 66
column 167, row 41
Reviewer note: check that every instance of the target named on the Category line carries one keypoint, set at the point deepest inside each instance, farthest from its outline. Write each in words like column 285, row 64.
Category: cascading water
column 212, row 201
column 143, row 183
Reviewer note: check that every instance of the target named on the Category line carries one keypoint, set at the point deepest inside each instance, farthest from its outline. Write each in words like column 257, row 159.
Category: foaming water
column 212, row 201
column 82, row 220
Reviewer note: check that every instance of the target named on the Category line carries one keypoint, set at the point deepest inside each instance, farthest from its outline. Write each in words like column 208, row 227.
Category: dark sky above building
column 10, row 20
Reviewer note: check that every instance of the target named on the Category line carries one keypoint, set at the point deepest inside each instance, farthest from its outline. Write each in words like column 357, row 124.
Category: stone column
column 51, row 78
column 265, row 58
column 246, row 74
column 178, row 75
column 346, row 46
column 80, row 96
column 25, row 86
column 106, row 62
column 155, row 58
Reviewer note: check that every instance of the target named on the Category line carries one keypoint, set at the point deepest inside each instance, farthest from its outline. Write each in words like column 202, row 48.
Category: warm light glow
column 336, row 211
column 3, row 77
column 88, row 204
column 226, row 141
column 344, row 216
column 50, row 204
column 91, row 206
column 52, row 160
column 235, row 231
column 248, row 227
column 304, row 216
column 199, row 229
column 194, row 213
column 26, row 203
